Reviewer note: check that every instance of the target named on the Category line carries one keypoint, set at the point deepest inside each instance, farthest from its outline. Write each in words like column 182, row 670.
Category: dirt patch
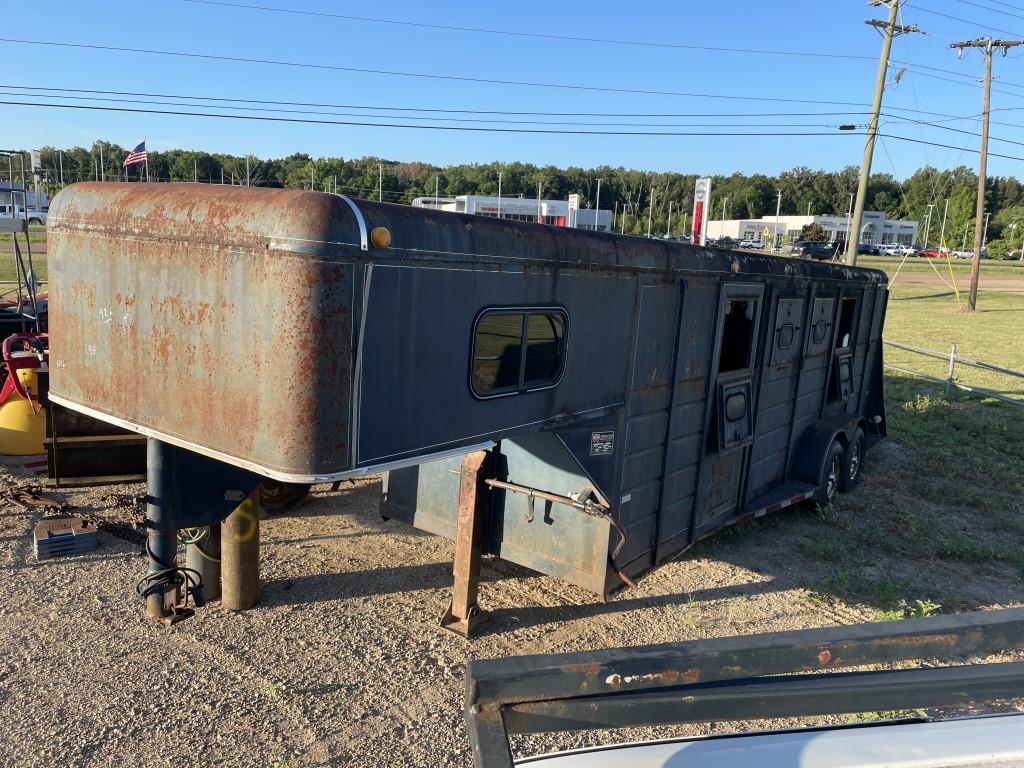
column 343, row 664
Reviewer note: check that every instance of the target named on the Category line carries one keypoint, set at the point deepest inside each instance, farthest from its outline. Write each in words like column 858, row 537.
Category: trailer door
column 729, row 419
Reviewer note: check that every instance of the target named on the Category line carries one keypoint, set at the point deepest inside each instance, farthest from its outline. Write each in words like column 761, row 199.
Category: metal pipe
column 204, row 557
column 161, row 526
column 240, row 555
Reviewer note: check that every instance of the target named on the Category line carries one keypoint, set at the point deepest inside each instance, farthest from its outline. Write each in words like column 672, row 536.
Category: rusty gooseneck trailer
column 631, row 395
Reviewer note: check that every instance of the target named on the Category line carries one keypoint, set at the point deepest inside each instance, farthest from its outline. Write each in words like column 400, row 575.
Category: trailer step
column 780, row 498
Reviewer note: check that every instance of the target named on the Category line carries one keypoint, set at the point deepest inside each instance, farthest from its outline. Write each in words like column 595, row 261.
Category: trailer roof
column 330, row 226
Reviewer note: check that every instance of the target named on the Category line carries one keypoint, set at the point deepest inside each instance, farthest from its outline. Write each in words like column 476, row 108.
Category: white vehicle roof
column 982, row 742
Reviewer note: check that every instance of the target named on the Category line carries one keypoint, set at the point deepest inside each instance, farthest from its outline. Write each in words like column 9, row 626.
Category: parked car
column 867, row 249
column 891, row 249
column 812, row 249
column 726, row 242
column 932, row 253
column 968, row 254
column 755, row 245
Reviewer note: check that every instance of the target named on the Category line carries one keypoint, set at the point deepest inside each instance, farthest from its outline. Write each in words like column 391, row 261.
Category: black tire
column 831, row 474
column 853, row 461
column 278, row 498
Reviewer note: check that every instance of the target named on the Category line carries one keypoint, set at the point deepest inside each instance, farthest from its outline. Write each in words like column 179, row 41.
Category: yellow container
column 22, row 424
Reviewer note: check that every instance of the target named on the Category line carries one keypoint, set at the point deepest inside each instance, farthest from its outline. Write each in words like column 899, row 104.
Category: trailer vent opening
column 847, row 310
column 737, row 335
column 517, row 350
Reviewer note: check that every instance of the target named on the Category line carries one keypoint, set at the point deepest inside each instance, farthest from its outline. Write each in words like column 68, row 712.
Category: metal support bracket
column 463, row 614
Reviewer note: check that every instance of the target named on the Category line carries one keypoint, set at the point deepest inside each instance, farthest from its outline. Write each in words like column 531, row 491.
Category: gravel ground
column 342, row 663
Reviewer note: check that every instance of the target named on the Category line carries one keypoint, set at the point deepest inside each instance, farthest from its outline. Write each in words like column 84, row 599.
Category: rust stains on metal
column 590, row 670
column 216, row 315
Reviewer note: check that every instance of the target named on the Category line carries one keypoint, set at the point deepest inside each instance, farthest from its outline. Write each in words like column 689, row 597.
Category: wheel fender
column 810, row 452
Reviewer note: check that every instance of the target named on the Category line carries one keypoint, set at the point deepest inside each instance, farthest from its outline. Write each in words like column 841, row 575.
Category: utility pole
column 778, row 208
column 942, row 232
column 725, row 202
column 61, row 155
column 195, row 171
column 889, row 30
column 984, row 235
column 928, row 224
column 380, row 182
column 623, row 230
column 597, row 205
column 499, row 194
column 987, row 44
column 849, row 219
column 650, row 212
column 668, row 229
column 540, row 210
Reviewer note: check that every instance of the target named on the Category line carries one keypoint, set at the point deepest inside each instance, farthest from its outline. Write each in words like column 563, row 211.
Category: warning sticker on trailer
column 602, row 443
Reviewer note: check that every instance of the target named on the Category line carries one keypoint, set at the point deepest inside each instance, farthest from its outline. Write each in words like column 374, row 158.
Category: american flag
column 137, row 155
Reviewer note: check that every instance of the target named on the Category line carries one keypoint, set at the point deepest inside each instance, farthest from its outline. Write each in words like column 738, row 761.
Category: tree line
column 638, row 198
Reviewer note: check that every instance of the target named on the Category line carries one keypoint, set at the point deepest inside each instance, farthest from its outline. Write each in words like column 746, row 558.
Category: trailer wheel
column 831, row 474
column 853, row 461
column 277, row 498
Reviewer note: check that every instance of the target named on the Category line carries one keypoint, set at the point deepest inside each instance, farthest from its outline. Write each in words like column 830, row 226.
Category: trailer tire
column 831, row 474
column 853, row 462
column 277, row 498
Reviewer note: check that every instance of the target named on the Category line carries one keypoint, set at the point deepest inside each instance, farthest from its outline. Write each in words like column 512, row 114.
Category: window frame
column 526, row 311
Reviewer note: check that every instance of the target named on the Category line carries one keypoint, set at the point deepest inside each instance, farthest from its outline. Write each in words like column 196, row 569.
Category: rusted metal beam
column 737, row 678
column 536, row 678
column 463, row 613
column 773, row 697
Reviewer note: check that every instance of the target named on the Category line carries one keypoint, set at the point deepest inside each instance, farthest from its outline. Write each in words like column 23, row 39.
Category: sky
column 803, row 67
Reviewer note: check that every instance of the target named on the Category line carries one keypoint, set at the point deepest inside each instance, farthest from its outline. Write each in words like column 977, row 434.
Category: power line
column 420, row 75
column 986, row 27
column 1007, row 5
column 946, row 146
column 308, row 121
column 462, row 112
column 235, row 100
column 27, row 94
column 992, row 10
column 536, row 35
column 954, row 130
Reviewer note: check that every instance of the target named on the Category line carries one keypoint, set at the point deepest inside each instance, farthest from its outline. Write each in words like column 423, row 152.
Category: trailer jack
column 463, row 614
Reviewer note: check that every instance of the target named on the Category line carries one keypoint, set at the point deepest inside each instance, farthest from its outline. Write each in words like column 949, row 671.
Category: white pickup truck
column 8, row 211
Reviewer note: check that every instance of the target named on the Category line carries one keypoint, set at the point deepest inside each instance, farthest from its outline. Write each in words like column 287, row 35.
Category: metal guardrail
column 783, row 674
column 953, row 358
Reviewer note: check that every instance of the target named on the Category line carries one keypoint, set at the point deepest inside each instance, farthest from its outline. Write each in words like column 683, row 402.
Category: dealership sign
column 701, row 198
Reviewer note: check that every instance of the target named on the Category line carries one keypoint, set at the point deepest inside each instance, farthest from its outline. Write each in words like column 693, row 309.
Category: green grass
column 952, row 503
column 961, row 267
column 930, row 317
column 8, row 270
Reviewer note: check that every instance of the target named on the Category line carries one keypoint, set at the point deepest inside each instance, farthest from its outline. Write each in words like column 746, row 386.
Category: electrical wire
column 987, row 8
column 28, row 94
column 947, row 146
column 309, row 121
column 986, row 27
column 445, row 111
column 536, row 35
column 421, row 75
